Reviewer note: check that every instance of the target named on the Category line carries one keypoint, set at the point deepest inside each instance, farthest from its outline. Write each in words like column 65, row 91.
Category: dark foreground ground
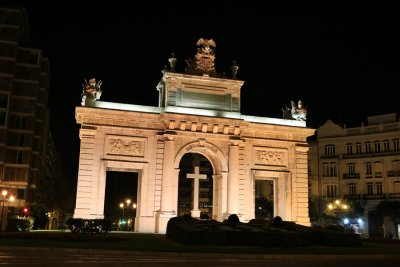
column 129, row 241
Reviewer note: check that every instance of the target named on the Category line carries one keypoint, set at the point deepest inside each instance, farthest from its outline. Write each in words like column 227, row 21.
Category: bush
column 98, row 226
column 277, row 221
column 20, row 224
column 233, row 218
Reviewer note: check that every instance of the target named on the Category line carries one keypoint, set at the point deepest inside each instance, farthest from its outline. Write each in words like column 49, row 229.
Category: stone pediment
column 329, row 128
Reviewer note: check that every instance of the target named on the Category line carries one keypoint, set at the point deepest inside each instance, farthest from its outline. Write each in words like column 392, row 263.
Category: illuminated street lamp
column 337, row 209
column 122, row 206
column 4, row 199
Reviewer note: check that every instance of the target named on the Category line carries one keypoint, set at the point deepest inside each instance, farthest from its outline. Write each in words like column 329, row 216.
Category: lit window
column 352, row 189
column 351, row 168
column 396, row 144
column 358, row 148
column 368, row 147
column 349, row 149
column 379, row 188
column 368, row 166
column 330, row 150
column 386, row 145
column 377, row 146
column 370, row 189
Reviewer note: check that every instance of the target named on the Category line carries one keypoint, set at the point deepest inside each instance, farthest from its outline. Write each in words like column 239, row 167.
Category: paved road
column 71, row 257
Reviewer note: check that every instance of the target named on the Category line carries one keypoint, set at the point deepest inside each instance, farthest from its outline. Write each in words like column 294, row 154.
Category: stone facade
column 359, row 164
column 196, row 114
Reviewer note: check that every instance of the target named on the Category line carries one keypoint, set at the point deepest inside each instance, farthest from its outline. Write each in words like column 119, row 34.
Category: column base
column 162, row 220
column 195, row 213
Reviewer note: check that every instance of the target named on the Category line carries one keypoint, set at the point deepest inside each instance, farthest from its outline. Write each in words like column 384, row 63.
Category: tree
column 389, row 208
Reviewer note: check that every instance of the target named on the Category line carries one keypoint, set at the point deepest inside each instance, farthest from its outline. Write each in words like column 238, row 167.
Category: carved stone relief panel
column 270, row 156
column 125, row 146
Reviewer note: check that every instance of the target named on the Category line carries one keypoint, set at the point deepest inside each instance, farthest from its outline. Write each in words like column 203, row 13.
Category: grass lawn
column 156, row 242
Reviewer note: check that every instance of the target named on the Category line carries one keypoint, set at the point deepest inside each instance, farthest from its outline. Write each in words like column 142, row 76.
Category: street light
column 337, row 210
column 4, row 194
column 122, row 206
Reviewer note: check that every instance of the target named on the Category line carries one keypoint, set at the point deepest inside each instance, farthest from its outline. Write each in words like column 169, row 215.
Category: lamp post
column 122, row 206
column 128, row 220
column 4, row 194
column 134, row 215
column 337, row 209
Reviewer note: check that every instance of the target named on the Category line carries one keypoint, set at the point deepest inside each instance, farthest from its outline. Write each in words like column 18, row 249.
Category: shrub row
column 20, row 224
column 191, row 231
column 98, row 226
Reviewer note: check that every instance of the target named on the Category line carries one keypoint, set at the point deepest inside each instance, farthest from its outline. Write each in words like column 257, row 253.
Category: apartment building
column 24, row 83
column 359, row 164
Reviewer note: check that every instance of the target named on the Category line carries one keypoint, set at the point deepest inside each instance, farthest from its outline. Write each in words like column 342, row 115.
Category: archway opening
column 121, row 199
column 264, row 199
column 195, row 192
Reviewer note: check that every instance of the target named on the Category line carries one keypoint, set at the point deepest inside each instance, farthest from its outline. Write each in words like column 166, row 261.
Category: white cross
column 196, row 176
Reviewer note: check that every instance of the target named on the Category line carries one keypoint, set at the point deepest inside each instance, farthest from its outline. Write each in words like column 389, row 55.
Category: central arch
column 220, row 172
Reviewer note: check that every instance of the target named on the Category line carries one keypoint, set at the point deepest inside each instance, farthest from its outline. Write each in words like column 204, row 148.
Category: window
column 3, row 101
column 370, row 189
column 351, row 168
column 3, row 116
column 20, row 157
column 396, row 187
column 378, row 169
column 358, row 148
column 22, row 123
column 379, row 188
column 349, row 149
column 330, row 150
column 368, row 166
column 368, row 147
column 396, row 165
column 329, row 169
column 377, row 146
column 331, row 190
column 20, row 193
column 396, row 145
column 15, row 174
column 352, row 189
column 386, row 145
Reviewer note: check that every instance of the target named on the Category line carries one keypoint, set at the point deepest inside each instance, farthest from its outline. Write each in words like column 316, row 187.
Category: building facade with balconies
column 360, row 164
column 24, row 83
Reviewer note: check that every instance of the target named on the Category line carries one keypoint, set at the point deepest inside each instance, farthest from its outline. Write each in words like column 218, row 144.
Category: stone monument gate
column 196, row 114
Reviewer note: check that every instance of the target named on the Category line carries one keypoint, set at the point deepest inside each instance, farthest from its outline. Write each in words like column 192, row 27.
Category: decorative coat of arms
column 203, row 63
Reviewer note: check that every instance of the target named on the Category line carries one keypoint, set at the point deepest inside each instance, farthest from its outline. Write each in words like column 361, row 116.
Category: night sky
column 340, row 59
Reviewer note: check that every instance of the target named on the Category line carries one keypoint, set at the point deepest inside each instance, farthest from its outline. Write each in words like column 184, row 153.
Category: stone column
column 233, row 178
column 300, row 187
column 169, row 185
column 87, row 176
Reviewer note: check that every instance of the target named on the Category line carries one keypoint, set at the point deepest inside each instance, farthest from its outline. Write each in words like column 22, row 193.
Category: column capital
column 88, row 133
column 166, row 137
column 235, row 142
column 302, row 148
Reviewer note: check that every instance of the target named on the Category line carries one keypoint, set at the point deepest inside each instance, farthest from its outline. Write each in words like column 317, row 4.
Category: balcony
column 353, row 196
column 351, row 175
column 333, row 156
column 367, row 196
column 393, row 173
column 394, row 195
column 371, row 154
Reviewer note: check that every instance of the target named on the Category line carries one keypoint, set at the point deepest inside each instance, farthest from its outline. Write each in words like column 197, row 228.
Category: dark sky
column 340, row 59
